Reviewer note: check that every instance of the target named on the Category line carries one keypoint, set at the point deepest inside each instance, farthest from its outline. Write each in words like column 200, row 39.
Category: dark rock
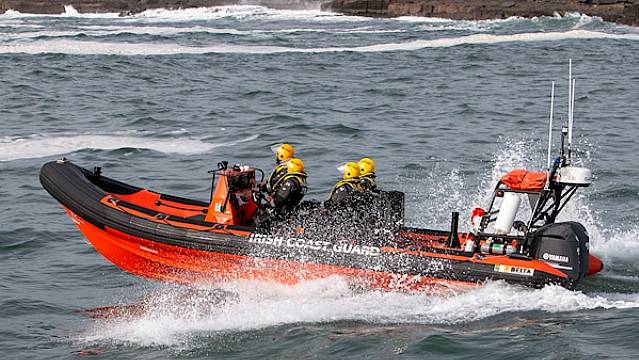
column 620, row 11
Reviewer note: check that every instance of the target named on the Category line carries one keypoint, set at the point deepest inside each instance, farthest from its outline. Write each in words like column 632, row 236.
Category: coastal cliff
column 618, row 11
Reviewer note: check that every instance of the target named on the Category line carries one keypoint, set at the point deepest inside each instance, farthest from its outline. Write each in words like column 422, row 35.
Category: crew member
column 288, row 191
column 348, row 186
column 283, row 154
column 367, row 174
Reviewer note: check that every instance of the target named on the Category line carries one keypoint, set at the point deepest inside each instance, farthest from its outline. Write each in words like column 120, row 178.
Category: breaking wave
column 74, row 47
column 240, row 12
column 237, row 12
column 37, row 146
column 309, row 11
column 69, row 11
column 567, row 21
column 102, row 31
column 175, row 317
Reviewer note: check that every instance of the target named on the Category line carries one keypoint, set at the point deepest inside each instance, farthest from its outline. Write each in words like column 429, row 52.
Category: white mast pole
column 552, row 106
column 570, row 104
column 572, row 111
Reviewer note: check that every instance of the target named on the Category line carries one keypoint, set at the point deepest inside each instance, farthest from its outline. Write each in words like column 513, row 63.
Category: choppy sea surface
column 444, row 107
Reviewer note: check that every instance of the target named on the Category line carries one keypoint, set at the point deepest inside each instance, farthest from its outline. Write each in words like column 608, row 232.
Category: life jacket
column 368, row 182
column 287, row 198
column 301, row 177
column 278, row 173
column 353, row 184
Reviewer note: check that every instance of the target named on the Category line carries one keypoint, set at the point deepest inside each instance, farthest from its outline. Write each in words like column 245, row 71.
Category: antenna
column 572, row 118
column 552, row 108
column 569, row 87
column 571, row 104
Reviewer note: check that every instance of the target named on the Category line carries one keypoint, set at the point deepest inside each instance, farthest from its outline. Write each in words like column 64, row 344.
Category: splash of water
column 240, row 12
column 447, row 191
column 70, row 11
column 175, row 316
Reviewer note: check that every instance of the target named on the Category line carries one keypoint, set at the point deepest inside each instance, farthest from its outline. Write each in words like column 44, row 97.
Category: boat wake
column 40, row 145
column 173, row 316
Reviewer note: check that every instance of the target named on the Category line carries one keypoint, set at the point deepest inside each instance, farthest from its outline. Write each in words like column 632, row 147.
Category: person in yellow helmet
column 283, row 154
column 287, row 192
column 367, row 175
column 348, row 185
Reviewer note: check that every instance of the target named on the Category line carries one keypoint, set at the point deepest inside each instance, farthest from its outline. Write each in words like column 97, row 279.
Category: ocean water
column 444, row 107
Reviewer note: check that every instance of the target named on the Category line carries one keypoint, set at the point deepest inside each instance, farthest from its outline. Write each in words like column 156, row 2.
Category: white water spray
column 45, row 145
column 166, row 319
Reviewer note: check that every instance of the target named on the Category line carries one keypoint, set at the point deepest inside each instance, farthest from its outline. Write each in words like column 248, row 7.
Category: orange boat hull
column 170, row 263
column 168, row 238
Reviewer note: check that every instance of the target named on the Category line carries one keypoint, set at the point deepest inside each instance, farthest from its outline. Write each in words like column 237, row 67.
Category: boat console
column 231, row 200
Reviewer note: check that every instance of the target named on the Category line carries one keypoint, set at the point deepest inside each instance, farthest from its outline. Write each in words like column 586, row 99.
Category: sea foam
column 75, row 47
column 37, row 146
column 103, row 31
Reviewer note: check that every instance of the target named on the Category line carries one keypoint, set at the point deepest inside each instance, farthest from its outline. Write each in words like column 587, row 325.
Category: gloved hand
column 262, row 186
column 262, row 200
column 257, row 196
column 267, row 201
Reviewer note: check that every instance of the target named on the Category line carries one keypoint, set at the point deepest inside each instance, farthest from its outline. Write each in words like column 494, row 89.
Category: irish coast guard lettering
column 315, row 245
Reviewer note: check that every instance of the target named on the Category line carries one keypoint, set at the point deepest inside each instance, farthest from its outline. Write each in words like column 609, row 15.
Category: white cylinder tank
column 507, row 213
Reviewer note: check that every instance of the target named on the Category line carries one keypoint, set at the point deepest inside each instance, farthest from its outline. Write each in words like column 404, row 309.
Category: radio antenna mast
column 552, row 108
column 571, row 104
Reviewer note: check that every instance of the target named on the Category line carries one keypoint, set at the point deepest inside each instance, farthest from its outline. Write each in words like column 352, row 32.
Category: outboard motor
column 564, row 246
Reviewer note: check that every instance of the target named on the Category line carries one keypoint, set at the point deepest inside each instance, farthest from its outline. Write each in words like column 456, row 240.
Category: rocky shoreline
column 618, row 11
column 127, row 7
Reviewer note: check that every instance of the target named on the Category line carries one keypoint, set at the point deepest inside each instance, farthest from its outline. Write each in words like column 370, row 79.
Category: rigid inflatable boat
column 170, row 238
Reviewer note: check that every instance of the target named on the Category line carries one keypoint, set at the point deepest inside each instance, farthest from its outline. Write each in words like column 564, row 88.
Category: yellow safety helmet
column 366, row 166
column 295, row 165
column 350, row 170
column 283, row 152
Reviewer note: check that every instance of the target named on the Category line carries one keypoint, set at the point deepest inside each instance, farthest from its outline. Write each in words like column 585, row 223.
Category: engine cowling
column 564, row 246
